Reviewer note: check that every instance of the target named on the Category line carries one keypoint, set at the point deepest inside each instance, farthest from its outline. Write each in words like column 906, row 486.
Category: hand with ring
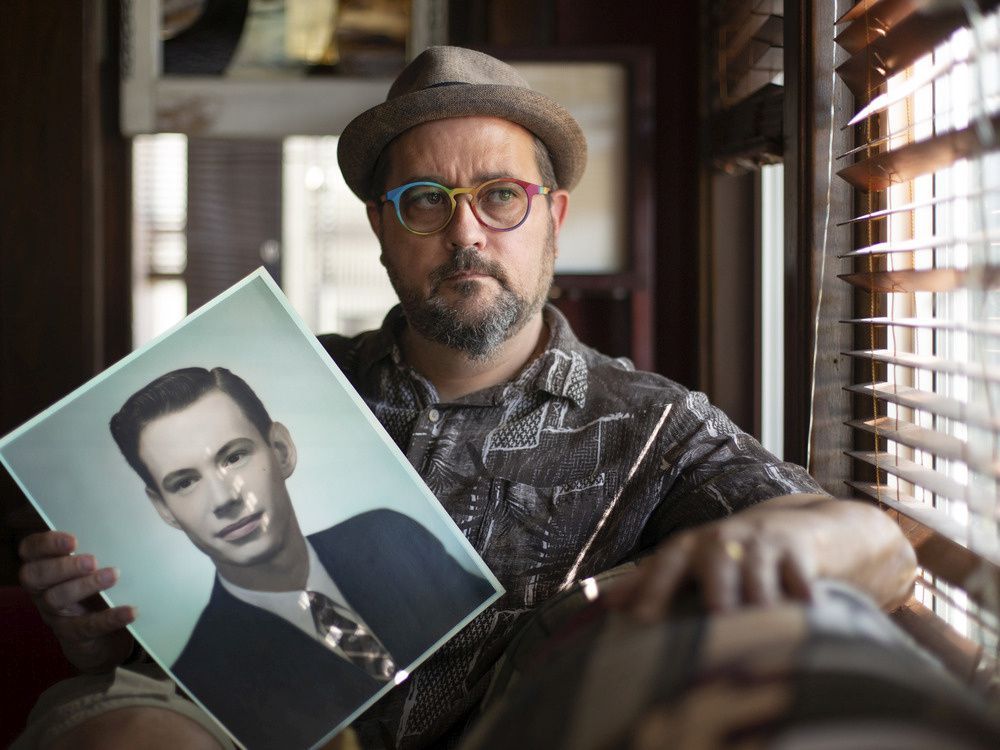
column 743, row 560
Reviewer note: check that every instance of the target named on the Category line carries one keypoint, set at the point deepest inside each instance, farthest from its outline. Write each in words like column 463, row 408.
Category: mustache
column 467, row 260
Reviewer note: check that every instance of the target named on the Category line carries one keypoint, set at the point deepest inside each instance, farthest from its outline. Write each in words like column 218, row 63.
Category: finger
column 619, row 593
column 662, row 575
column 64, row 599
column 720, row 576
column 94, row 625
column 760, row 577
column 796, row 578
column 46, row 544
column 39, row 575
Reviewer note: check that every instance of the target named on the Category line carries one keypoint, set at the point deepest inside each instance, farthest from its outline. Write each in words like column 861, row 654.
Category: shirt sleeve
column 713, row 469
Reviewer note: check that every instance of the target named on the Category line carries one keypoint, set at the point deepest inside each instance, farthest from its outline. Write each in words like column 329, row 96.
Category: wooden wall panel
column 671, row 31
column 64, row 284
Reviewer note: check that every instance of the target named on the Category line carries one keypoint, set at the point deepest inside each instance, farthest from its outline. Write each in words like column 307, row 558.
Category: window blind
column 748, row 82
column 925, row 75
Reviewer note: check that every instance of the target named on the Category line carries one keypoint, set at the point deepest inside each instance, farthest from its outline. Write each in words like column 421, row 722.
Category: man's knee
column 136, row 726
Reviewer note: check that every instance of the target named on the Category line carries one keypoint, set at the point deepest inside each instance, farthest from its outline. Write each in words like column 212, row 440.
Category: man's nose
column 464, row 229
column 225, row 495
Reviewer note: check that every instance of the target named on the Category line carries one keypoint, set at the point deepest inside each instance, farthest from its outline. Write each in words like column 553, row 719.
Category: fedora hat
column 446, row 82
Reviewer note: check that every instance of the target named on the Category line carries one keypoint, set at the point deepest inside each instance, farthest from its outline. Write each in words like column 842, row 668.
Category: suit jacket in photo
column 273, row 686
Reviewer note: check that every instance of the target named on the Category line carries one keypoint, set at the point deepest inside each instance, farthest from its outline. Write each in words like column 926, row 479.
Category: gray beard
column 435, row 320
column 479, row 339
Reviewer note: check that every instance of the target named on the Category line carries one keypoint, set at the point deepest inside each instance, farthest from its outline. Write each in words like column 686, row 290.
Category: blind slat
column 912, row 472
column 765, row 28
column 933, row 519
column 950, row 557
column 928, row 362
column 960, row 655
column 927, row 280
column 915, row 205
column 983, row 618
column 972, row 326
column 934, row 403
column 924, row 439
column 758, row 57
column 899, row 47
column 876, row 22
column 922, row 243
column 939, row 71
column 857, row 11
column 915, row 159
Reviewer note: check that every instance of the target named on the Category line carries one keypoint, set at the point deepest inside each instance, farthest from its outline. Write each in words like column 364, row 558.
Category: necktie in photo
column 361, row 647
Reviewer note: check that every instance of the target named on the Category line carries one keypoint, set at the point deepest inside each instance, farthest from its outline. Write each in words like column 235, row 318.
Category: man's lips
column 241, row 528
column 463, row 275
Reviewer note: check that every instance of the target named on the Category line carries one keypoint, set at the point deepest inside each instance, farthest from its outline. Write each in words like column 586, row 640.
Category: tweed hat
column 446, row 82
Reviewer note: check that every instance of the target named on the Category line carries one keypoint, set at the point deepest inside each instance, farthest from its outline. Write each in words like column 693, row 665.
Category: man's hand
column 770, row 553
column 64, row 587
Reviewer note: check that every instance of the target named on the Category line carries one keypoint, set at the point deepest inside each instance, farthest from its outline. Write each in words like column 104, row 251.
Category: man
column 370, row 594
column 556, row 461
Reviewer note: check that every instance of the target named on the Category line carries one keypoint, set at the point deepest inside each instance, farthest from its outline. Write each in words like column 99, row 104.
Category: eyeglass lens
column 498, row 204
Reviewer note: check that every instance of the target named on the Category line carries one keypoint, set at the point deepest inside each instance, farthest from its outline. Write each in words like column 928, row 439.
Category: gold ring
column 734, row 550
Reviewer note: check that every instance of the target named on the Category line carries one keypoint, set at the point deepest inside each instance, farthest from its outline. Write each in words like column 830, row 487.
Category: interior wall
column 670, row 30
column 732, row 332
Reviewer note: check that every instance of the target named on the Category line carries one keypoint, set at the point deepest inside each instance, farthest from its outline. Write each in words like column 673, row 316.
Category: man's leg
column 132, row 707
column 141, row 726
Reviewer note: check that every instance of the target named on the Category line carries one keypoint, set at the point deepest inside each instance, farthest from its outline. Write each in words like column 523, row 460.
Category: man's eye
column 182, row 485
column 235, row 458
column 501, row 195
column 425, row 198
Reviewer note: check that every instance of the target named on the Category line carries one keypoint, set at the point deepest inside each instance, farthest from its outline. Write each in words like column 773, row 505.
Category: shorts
column 71, row 702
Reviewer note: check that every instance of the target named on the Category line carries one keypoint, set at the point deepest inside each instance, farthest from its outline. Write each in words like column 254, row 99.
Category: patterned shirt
column 577, row 464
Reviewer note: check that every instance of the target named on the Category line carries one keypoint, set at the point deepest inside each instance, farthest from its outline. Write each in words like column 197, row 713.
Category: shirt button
column 434, row 415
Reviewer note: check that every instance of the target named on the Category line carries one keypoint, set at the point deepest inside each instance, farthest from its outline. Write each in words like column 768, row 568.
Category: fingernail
column 66, row 543
column 85, row 563
column 127, row 615
column 107, row 576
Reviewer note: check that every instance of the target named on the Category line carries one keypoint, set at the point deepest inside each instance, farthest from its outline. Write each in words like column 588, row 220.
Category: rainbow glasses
column 427, row 207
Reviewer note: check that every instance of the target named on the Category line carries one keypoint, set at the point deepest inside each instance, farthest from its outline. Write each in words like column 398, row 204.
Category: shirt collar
column 560, row 370
column 284, row 603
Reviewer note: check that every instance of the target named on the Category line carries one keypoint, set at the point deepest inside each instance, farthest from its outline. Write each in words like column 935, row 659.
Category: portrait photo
column 287, row 563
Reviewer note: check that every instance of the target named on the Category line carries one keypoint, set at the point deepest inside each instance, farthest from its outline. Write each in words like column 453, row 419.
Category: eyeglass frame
column 531, row 189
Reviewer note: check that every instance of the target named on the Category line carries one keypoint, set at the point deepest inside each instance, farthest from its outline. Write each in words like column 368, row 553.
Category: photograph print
column 287, row 563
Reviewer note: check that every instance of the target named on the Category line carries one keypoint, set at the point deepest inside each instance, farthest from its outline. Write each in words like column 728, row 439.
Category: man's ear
column 284, row 449
column 161, row 507
column 558, row 208
column 374, row 218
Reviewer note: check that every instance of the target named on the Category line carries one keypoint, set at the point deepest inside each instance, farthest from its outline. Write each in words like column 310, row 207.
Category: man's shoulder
column 346, row 350
column 369, row 537
column 613, row 383
column 215, row 619
column 604, row 383
column 354, row 354
column 378, row 521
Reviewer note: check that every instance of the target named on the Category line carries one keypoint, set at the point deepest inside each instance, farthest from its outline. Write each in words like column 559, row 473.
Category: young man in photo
column 302, row 630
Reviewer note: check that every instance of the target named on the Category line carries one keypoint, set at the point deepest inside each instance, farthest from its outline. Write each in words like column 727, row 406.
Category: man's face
column 219, row 480
column 468, row 286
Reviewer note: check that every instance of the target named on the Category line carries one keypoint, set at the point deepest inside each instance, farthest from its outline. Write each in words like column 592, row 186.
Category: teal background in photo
column 70, row 467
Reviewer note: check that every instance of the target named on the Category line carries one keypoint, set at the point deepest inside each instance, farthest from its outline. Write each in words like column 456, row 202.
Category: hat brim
column 369, row 133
